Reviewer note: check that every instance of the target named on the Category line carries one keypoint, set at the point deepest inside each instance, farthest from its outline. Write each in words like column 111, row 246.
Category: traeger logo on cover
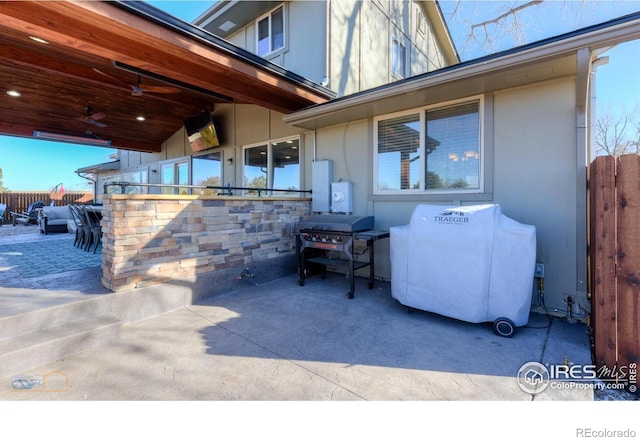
column 451, row 217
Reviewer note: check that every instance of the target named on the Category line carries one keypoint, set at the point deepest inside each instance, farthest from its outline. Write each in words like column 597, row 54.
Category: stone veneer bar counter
column 155, row 239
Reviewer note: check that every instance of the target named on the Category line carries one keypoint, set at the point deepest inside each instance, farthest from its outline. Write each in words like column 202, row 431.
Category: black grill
column 321, row 236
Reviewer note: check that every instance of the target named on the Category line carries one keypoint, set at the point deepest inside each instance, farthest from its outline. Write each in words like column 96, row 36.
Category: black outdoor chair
column 3, row 208
column 94, row 233
column 82, row 227
column 28, row 217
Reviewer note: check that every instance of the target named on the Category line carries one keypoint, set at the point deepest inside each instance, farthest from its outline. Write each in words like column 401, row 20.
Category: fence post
column 603, row 258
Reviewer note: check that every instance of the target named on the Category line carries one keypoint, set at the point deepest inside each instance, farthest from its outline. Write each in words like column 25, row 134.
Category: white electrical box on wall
column 342, row 197
column 321, row 178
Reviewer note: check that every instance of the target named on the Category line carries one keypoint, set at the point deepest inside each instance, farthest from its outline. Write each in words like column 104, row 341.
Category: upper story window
column 398, row 58
column 270, row 32
column 434, row 150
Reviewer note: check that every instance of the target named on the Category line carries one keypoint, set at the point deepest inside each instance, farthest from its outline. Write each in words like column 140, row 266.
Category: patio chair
column 28, row 217
column 95, row 229
column 3, row 208
column 82, row 227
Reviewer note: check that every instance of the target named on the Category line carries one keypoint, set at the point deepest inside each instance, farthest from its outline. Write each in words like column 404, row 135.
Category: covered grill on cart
column 471, row 263
column 323, row 238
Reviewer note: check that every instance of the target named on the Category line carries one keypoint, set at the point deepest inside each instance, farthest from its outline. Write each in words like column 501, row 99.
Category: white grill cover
column 471, row 263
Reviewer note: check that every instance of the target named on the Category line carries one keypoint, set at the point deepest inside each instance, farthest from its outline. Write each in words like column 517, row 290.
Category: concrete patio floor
column 280, row 341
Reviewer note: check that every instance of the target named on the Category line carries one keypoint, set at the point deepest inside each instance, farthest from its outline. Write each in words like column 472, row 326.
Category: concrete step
column 33, row 316
column 37, row 348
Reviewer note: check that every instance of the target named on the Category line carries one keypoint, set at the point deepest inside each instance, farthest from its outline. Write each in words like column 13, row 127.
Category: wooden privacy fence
column 614, row 250
column 19, row 201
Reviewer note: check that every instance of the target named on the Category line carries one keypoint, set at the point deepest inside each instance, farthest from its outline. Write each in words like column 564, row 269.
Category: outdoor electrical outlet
column 539, row 273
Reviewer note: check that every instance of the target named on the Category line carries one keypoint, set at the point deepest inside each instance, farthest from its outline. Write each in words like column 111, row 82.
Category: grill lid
column 337, row 223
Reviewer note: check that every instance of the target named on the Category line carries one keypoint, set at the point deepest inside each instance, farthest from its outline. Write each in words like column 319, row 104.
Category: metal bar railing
column 225, row 190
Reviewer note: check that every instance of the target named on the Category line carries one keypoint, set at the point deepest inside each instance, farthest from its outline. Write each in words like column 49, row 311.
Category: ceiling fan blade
column 96, row 123
column 98, row 116
column 115, row 79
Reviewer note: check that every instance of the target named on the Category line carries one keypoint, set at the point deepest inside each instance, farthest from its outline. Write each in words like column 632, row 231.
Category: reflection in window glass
column 206, row 170
column 139, row 177
column 273, row 165
column 441, row 152
column 175, row 174
column 398, row 56
column 286, row 165
column 453, row 149
column 167, row 178
column 263, row 36
column 255, row 168
column 277, row 30
column 399, row 153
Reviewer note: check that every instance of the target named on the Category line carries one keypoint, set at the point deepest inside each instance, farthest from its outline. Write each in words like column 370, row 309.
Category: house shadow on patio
column 317, row 327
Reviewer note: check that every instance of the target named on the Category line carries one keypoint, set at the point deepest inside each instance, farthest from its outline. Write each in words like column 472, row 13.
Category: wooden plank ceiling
column 81, row 81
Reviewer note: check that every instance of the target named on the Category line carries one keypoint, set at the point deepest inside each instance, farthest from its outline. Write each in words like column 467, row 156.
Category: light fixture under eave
column 73, row 139
column 38, row 39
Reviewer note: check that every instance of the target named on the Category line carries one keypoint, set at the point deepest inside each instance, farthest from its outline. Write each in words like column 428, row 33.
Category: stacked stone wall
column 152, row 239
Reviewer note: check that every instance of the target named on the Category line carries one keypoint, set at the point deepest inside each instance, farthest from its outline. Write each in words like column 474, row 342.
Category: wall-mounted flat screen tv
column 201, row 131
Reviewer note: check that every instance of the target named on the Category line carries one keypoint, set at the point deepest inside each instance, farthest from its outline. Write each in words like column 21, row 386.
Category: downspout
column 583, row 79
column 327, row 41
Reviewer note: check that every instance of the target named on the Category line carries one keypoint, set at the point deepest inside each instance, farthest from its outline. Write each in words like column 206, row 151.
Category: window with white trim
column 432, row 150
column 398, row 58
column 270, row 32
column 273, row 164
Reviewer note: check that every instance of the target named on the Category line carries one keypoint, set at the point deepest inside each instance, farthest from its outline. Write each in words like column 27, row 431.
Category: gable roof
column 546, row 59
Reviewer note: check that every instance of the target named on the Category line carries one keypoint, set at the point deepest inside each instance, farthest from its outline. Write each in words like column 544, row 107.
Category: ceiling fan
column 88, row 117
column 139, row 88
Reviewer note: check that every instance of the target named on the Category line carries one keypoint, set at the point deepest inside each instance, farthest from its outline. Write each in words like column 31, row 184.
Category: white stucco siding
column 375, row 47
column 344, row 56
column 349, row 147
column 535, row 174
column 306, row 42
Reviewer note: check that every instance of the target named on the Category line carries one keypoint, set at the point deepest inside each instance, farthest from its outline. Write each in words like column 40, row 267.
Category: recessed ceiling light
column 13, row 93
column 140, row 118
column 37, row 39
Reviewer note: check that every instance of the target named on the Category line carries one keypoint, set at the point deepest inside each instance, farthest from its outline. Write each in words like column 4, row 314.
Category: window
column 134, row 177
column 175, row 173
column 270, row 32
column 421, row 27
column 206, row 170
column 274, row 165
column 398, row 58
column 434, row 150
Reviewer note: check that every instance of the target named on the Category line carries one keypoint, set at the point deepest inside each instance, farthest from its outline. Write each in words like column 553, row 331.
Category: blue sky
column 40, row 165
